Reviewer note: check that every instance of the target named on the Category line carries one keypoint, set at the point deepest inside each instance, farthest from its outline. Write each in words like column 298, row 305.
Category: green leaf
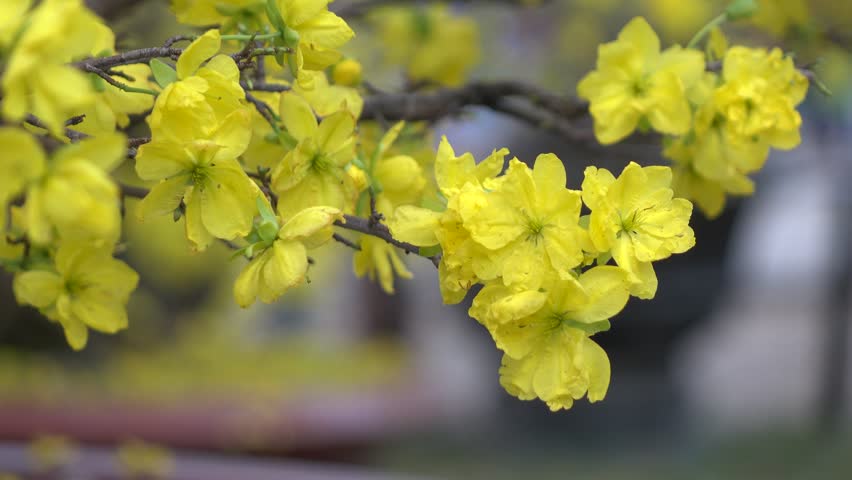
column 164, row 74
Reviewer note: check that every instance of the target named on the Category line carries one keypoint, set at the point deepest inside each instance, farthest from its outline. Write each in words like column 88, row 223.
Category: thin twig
column 72, row 135
column 380, row 230
column 346, row 241
column 115, row 83
column 130, row 57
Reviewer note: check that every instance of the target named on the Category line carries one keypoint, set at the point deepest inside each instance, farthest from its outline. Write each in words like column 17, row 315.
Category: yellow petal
column 198, row 52
column 285, row 268
column 297, row 115
column 37, row 288
column 163, row 198
column 415, row 225
column 308, row 222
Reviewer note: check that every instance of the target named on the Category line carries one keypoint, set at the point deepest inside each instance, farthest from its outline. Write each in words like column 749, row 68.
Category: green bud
column 268, row 231
column 741, row 9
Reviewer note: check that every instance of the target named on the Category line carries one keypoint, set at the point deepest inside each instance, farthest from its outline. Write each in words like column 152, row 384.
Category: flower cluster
column 548, row 285
column 719, row 127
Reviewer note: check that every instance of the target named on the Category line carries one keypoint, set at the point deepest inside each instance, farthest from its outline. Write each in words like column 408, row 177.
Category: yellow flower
column 636, row 219
column 313, row 173
column 88, row 289
column 635, row 82
column 204, row 94
column 378, row 259
column 200, row 169
column 530, row 221
column 319, row 33
column 709, row 192
column 545, row 335
column 36, row 79
column 463, row 259
column 432, row 44
column 283, row 264
column 759, row 96
column 211, row 12
column 72, row 196
column 327, row 99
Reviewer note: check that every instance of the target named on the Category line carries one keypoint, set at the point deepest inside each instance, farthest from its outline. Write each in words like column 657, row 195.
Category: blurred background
column 739, row 368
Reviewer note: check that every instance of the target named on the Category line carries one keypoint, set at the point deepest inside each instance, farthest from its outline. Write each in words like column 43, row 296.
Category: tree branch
column 130, row 57
column 528, row 103
column 380, row 230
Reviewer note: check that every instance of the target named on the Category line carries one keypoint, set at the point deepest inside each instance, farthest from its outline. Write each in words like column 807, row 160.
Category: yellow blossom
column 635, row 82
column 71, row 196
column 198, row 166
column 203, row 90
column 544, row 335
column 283, row 264
column 313, row 173
column 433, row 45
column 210, row 12
column 530, row 221
column 316, row 32
column 36, row 79
column 87, row 289
column 379, row 259
column 637, row 220
column 759, row 95
column 325, row 98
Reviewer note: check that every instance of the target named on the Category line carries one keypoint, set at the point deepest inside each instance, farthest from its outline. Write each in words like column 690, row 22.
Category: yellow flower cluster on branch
column 547, row 285
column 719, row 127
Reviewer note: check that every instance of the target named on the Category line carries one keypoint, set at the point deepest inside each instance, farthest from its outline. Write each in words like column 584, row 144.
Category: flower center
column 535, row 229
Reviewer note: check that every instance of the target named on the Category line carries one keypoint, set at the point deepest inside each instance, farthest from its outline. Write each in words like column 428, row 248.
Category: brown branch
column 142, row 55
column 380, row 230
column 528, row 103
column 346, row 241
column 72, row 135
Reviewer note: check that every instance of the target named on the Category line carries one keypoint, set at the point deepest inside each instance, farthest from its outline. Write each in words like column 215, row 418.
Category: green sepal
column 294, row 67
column 164, row 74
column 177, row 214
column 584, row 221
column 265, row 211
column 287, row 141
column 274, row 15
column 430, row 251
column 604, row 258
